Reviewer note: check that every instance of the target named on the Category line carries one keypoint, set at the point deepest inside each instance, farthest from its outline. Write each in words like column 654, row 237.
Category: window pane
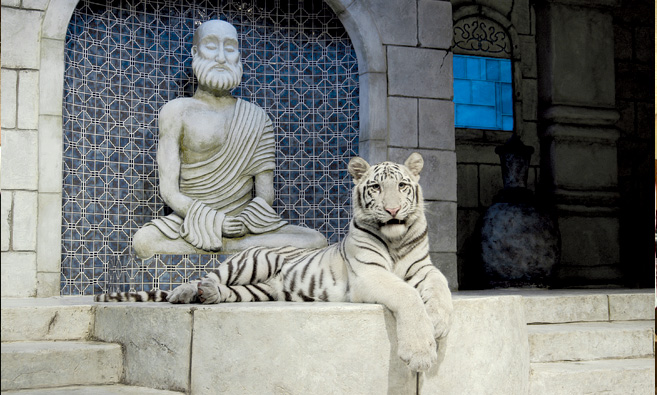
column 483, row 93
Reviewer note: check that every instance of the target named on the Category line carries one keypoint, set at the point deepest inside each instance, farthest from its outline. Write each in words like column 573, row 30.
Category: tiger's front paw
column 417, row 346
column 208, row 293
column 185, row 293
column 440, row 314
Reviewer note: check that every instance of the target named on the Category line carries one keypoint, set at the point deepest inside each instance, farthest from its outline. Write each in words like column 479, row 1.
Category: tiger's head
column 387, row 195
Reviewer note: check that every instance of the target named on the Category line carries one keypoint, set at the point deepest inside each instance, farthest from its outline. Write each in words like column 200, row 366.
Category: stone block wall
column 405, row 71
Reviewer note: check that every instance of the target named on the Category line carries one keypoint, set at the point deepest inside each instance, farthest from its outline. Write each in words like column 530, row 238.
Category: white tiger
column 383, row 259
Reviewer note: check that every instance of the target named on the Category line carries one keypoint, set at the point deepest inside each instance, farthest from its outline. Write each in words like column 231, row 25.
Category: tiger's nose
column 393, row 211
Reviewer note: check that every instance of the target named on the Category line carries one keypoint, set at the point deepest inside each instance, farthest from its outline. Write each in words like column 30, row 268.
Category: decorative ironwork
column 475, row 35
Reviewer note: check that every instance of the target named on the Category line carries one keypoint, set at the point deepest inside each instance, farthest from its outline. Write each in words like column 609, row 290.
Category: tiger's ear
column 357, row 168
column 415, row 163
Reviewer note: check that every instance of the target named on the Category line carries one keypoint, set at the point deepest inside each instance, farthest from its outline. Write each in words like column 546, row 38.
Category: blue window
column 483, row 94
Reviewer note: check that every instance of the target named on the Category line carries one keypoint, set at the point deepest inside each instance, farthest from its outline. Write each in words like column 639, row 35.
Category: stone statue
column 216, row 157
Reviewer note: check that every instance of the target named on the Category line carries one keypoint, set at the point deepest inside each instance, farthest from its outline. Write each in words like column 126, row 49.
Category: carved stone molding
column 474, row 35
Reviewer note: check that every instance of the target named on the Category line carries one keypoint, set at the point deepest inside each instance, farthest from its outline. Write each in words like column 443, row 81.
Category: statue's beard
column 208, row 76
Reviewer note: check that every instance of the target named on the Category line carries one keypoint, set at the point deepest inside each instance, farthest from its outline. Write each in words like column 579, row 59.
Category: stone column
column 578, row 138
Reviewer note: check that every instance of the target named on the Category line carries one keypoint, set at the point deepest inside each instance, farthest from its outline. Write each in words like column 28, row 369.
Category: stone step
column 114, row 389
column 63, row 318
column 612, row 376
column 44, row 364
column 590, row 341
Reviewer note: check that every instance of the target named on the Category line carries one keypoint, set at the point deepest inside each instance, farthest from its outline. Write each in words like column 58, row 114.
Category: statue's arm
column 264, row 186
column 168, row 158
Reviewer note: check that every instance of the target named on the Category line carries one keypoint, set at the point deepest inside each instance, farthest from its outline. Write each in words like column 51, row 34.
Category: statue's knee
column 143, row 242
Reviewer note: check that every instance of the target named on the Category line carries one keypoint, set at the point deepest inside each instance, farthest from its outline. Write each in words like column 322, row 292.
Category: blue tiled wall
column 124, row 60
column 483, row 95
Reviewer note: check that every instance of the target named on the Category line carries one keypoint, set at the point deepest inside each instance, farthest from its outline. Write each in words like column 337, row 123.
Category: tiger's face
column 387, row 195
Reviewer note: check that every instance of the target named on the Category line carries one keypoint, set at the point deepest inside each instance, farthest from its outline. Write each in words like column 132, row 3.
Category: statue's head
column 216, row 57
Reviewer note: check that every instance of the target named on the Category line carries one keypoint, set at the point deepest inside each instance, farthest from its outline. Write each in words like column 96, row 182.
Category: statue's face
column 216, row 57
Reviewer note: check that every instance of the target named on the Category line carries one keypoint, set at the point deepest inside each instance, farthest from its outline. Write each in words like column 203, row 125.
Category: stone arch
column 373, row 110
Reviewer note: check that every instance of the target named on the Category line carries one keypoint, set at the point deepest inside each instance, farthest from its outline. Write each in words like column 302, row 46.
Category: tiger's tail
column 142, row 296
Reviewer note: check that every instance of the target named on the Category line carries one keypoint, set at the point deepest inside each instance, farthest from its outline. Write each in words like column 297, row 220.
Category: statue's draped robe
column 223, row 184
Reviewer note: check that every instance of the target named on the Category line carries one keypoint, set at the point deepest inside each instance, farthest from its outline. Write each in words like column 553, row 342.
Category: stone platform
column 336, row 348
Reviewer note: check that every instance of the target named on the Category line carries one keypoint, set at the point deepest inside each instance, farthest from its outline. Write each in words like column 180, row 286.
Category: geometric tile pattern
column 483, row 93
column 124, row 60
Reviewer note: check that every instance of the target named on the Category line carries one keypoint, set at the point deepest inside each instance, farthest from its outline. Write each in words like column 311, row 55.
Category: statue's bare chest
column 205, row 132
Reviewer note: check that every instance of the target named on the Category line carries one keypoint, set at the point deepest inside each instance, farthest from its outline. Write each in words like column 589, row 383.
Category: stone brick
column 9, row 88
column 28, row 99
column 21, row 36
column 467, row 179
column 441, row 218
column 468, row 152
column 521, row 16
column 51, row 82
column 345, row 348
column 50, row 159
column 435, row 24
column 33, row 321
column 490, row 183
column 11, row 3
column 643, row 44
column 48, row 284
column 395, row 20
column 49, row 232
column 18, row 274
column 466, row 227
column 529, row 100
column 168, row 342
column 436, row 124
column 403, row 122
column 57, row 19
column 5, row 219
column 35, row 4
column 528, row 52
column 24, row 221
column 20, row 156
column 438, row 177
column 489, row 337
column 631, row 306
column 373, row 95
column 419, row 72
column 446, row 263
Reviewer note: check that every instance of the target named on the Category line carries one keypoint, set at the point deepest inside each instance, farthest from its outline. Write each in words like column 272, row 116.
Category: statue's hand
column 232, row 227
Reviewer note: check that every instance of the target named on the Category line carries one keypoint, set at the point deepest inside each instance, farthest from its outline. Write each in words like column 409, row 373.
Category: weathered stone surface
column 30, row 364
column 115, row 389
column 434, row 23
column 21, row 38
column 297, row 348
column 25, row 214
column 590, row 341
column 403, row 122
column 56, row 20
column 20, row 148
column 490, row 183
column 436, row 124
column 157, row 346
column 555, row 308
column 446, row 263
column 486, row 351
column 441, row 218
column 617, row 377
column 30, row 322
column 467, row 182
column 631, row 306
column 434, row 82
column 9, row 82
column 599, row 247
column 50, row 213
column 18, row 274
column 51, row 81
column 5, row 219
column 396, row 21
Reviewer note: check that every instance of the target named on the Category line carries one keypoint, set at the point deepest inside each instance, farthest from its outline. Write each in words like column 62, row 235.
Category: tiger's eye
column 375, row 187
column 402, row 185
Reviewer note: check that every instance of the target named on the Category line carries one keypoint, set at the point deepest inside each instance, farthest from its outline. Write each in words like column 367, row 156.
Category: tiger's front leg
column 416, row 345
column 432, row 286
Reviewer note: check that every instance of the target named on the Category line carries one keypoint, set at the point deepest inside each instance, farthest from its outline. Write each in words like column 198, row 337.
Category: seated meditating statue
column 216, row 157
